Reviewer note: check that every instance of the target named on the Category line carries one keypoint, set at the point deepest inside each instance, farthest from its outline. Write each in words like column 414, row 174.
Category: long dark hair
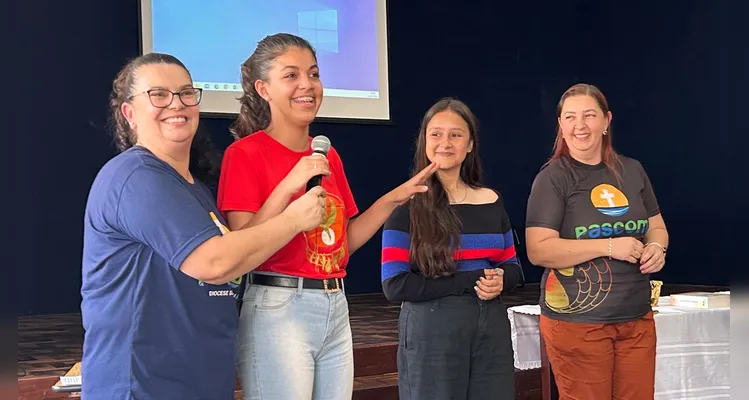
column 609, row 156
column 434, row 225
column 254, row 114
column 204, row 158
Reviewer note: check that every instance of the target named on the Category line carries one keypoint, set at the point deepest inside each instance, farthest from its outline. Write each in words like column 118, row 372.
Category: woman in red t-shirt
column 295, row 338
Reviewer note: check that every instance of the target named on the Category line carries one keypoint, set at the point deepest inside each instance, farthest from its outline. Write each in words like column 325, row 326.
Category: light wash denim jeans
column 295, row 344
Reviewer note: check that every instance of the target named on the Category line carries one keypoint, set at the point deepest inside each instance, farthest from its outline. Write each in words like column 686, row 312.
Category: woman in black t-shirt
column 594, row 223
column 447, row 255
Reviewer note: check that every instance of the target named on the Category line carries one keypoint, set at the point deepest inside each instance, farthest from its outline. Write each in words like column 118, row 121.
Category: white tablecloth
column 692, row 354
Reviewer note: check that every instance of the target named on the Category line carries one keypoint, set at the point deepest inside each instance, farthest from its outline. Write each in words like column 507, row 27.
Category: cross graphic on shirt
column 606, row 195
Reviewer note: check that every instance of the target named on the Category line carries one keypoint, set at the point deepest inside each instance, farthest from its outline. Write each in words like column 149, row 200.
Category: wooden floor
column 50, row 345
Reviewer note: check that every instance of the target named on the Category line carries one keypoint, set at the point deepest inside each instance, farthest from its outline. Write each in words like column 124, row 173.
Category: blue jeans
column 295, row 344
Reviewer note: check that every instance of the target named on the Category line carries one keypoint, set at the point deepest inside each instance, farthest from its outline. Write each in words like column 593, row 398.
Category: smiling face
column 173, row 124
column 293, row 88
column 448, row 140
column 582, row 123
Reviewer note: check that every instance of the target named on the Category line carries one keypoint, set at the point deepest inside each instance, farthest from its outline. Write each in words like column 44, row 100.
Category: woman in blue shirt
column 160, row 269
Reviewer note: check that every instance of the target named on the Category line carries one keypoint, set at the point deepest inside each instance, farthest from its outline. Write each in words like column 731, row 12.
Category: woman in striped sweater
column 447, row 255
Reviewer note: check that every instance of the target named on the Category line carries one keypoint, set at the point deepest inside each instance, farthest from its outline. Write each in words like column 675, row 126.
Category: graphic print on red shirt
column 252, row 168
column 327, row 246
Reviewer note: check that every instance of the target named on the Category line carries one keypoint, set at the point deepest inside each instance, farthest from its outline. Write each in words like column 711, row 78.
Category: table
column 692, row 354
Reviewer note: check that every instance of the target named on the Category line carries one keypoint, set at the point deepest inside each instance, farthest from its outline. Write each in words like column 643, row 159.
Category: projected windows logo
column 320, row 28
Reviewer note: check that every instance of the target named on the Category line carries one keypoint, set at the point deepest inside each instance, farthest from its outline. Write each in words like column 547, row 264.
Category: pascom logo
column 609, row 200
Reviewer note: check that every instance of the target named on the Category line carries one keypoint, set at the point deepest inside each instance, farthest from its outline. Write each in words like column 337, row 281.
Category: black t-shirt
column 581, row 202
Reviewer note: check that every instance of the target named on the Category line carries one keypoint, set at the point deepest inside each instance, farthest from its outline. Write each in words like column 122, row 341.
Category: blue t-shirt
column 152, row 332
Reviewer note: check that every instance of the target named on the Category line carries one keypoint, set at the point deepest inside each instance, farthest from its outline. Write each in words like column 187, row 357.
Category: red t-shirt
column 252, row 167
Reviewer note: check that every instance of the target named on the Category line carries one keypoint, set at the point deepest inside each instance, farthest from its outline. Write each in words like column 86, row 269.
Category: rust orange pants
column 602, row 361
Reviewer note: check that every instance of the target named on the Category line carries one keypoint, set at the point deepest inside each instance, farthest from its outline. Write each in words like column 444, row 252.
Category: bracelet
column 609, row 248
column 657, row 245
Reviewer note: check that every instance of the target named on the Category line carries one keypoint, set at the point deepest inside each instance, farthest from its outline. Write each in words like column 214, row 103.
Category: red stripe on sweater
column 497, row 255
column 394, row 254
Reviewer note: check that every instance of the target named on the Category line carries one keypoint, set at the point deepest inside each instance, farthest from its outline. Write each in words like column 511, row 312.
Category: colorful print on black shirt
column 582, row 202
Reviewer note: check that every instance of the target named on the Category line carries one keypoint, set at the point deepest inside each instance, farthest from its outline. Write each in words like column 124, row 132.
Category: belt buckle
column 325, row 287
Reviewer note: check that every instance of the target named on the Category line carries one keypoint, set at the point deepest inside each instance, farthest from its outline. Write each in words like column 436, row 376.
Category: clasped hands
column 490, row 285
column 651, row 256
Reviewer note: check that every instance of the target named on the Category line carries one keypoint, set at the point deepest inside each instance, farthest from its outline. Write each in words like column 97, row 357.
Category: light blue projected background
column 213, row 38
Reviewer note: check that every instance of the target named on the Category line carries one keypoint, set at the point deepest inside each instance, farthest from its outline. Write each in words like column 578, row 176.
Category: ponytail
column 122, row 133
column 254, row 113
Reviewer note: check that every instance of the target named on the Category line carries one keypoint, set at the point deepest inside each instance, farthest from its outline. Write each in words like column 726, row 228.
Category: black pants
column 455, row 348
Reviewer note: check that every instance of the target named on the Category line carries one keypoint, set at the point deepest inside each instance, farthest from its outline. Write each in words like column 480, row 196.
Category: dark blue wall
column 671, row 71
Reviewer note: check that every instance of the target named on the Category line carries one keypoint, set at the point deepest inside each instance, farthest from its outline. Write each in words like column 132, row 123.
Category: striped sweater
column 486, row 241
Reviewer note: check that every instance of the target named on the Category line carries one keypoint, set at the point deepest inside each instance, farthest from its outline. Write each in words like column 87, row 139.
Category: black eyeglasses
column 162, row 98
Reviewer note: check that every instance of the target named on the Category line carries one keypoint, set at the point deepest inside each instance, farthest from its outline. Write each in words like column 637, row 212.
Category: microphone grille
column 321, row 143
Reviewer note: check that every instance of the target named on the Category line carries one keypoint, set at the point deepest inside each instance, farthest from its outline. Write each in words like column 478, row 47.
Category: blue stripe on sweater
column 477, row 241
column 393, row 238
column 468, row 241
column 393, row 268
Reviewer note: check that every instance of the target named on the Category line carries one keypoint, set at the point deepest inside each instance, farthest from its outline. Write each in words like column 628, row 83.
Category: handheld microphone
column 320, row 147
